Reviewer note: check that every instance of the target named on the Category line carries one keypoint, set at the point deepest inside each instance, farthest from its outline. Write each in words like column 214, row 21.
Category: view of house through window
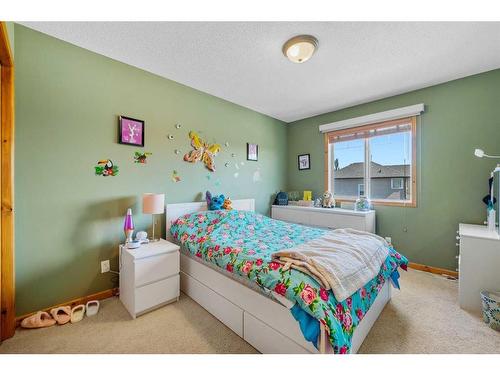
column 386, row 148
column 348, row 168
column 390, row 176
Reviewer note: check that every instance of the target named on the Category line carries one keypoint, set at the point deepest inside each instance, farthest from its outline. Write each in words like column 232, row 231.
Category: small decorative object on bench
column 307, row 195
column 328, row 200
column 293, row 196
column 363, row 204
column 281, row 199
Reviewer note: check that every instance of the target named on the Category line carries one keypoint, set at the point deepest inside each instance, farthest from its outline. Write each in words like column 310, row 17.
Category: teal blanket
column 242, row 242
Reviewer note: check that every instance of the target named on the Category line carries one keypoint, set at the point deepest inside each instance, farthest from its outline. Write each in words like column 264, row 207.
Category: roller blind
column 373, row 130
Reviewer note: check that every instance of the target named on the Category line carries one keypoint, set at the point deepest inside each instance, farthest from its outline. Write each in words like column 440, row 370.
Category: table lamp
column 153, row 204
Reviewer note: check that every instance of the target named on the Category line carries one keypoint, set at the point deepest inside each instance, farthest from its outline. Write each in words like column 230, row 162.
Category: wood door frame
column 7, row 293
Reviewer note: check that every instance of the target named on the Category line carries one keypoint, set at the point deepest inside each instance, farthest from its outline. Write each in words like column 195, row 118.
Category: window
column 376, row 160
column 397, row 183
column 361, row 190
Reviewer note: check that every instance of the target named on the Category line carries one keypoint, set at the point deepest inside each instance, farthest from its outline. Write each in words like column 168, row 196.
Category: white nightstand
column 149, row 276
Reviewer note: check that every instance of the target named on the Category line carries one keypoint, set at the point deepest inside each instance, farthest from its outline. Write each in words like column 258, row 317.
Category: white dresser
column 332, row 218
column 478, row 264
column 149, row 276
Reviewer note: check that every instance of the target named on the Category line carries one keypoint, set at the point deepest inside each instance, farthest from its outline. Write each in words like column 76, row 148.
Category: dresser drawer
column 290, row 215
column 154, row 294
column 148, row 270
column 337, row 221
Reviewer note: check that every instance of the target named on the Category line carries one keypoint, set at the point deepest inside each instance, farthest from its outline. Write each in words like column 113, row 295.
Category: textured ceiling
column 242, row 61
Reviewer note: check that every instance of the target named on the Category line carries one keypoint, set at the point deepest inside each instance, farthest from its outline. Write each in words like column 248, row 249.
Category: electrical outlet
column 105, row 266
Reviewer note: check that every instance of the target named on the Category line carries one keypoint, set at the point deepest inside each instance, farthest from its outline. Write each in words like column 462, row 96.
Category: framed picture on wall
column 130, row 131
column 252, row 151
column 304, row 161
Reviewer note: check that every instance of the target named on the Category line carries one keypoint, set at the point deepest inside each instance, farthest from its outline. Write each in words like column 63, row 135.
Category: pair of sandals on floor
column 60, row 315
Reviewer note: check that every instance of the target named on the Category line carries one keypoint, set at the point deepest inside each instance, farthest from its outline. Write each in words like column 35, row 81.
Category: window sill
column 380, row 202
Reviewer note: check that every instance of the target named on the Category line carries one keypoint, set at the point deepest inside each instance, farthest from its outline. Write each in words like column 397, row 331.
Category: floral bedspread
column 242, row 242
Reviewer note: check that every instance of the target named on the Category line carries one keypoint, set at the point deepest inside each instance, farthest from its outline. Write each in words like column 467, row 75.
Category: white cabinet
column 332, row 218
column 149, row 276
column 479, row 264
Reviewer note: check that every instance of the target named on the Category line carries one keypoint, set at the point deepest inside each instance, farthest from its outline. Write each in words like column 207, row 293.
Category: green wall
column 459, row 116
column 68, row 219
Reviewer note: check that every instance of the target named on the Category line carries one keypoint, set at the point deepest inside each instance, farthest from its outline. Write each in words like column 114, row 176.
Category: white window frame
column 412, row 202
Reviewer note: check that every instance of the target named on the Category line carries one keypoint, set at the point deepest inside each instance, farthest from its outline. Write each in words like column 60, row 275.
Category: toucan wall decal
column 105, row 168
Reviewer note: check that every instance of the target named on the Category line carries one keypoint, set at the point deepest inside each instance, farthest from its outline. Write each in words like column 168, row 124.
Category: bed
column 259, row 315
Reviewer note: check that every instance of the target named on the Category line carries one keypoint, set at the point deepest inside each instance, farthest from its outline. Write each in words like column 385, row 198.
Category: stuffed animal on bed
column 217, row 202
column 214, row 202
column 227, row 204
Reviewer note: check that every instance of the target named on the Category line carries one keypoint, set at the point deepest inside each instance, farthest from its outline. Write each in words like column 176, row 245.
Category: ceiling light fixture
column 300, row 48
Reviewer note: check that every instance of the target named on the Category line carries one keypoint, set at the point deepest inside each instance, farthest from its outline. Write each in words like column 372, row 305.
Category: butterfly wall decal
column 202, row 151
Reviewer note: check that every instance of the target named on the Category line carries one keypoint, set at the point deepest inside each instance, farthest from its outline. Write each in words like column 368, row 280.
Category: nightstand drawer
column 148, row 270
column 154, row 294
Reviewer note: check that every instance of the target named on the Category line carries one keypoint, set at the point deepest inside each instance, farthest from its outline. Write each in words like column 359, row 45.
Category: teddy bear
column 227, row 204
column 328, row 200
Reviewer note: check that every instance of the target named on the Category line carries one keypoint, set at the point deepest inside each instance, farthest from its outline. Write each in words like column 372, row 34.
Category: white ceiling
column 242, row 61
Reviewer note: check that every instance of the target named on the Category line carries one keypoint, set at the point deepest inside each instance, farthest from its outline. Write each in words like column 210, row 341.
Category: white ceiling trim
column 393, row 114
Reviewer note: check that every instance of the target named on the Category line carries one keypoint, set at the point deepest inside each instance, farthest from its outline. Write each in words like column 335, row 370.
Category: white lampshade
column 153, row 203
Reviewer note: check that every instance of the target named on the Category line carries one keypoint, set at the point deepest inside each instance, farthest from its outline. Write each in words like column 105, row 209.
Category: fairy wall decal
column 202, row 151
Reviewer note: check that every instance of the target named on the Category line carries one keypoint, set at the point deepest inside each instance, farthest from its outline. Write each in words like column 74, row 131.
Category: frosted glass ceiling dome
column 300, row 48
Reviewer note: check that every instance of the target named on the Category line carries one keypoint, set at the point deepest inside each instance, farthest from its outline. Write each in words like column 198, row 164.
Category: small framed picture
column 130, row 131
column 304, row 162
column 252, row 151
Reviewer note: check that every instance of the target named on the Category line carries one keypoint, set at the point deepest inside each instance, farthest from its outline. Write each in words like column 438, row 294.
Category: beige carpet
column 423, row 318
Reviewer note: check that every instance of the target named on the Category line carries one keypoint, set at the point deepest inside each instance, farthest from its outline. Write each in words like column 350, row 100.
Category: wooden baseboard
column 436, row 270
column 77, row 301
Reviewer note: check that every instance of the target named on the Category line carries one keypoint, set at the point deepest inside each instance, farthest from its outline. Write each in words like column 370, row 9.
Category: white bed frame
column 264, row 323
